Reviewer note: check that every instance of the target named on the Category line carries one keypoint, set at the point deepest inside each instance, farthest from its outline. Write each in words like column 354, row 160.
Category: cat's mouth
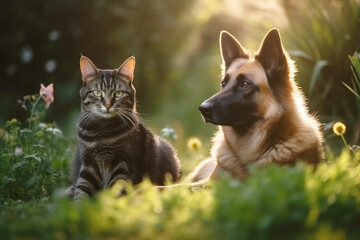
column 106, row 113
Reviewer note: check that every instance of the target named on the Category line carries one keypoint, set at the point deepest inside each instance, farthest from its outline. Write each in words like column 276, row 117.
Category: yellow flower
column 194, row 143
column 339, row 128
column 13, row 121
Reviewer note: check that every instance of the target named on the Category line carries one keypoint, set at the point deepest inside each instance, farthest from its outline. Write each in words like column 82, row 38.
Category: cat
column 112, row 142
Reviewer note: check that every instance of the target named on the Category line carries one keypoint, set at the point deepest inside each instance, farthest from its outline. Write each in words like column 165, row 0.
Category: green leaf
column 355, row 68
column 352, row 90
column 18, row 164
column 33, row 156
column 31, row 181
column 319, row 66
column 6, row 180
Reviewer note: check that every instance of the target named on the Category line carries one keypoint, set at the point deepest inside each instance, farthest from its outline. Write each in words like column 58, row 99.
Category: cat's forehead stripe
column 106, row 78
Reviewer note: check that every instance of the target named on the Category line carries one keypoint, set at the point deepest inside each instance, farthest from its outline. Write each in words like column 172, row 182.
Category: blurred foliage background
column 177, row 54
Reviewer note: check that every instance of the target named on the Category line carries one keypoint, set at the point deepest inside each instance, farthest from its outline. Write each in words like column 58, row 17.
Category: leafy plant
column 324, row 33
column 274, row 203
column 355, row 68
column 33, row 159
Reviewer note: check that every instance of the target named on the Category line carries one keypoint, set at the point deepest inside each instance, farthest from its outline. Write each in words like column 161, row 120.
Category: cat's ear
column 88, row 69
column 127, row 68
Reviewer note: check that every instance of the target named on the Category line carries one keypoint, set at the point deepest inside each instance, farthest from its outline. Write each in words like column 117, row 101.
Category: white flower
column 54, row 131
column 18, row 151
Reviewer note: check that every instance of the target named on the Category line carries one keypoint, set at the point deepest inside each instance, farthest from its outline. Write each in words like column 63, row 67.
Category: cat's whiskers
column 128, row 126
column 123, row 113
column 83, row 116
column 76, row 117
column 88, row 117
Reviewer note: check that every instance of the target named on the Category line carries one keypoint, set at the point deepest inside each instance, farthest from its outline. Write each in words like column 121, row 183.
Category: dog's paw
column 263, row 163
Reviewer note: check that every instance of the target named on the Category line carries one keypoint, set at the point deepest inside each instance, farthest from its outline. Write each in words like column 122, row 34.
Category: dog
column 261, row 112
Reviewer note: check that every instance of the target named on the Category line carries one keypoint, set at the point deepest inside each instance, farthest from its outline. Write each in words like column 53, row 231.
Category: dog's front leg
column 205, row 170
column 235, row 171
column 280, row 153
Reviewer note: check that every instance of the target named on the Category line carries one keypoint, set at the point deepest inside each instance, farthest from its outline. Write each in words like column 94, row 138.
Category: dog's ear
column 271, row 54
column 230, row 48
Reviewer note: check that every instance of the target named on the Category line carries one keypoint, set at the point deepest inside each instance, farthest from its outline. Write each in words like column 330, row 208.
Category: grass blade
column 319, row 66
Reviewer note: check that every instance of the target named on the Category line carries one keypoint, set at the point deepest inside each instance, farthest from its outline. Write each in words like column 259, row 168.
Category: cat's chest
column 105, row 153
column 115, row 149
column 108, row 140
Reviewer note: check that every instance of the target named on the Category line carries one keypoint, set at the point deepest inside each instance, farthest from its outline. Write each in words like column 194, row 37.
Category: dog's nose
column 206, row 109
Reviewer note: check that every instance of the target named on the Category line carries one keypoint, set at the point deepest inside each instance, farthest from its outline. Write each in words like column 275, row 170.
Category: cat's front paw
column 69, row 192
column 80, row 195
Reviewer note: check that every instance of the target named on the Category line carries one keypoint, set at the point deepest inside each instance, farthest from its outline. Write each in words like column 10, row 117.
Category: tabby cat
column 113, row 143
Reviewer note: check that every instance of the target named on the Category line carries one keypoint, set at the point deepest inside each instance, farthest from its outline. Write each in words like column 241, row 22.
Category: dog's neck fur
column 234, row 151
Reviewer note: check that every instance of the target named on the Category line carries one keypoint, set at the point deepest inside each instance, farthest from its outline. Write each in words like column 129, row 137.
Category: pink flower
column 47, row 93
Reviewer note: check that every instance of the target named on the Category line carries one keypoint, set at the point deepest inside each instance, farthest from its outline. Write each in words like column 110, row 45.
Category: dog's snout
column 206, row 109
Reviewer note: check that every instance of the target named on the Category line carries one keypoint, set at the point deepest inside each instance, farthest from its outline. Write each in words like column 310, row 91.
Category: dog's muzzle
column 206, row 110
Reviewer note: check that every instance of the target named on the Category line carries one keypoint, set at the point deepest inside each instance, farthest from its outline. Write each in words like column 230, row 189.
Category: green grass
column 275, row 203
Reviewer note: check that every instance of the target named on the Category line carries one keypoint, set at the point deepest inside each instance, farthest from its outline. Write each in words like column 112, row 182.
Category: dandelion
column 47, row 93
column 194, row 143
column 339, row 129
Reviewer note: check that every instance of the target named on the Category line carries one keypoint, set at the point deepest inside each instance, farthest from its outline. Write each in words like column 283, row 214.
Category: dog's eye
column 244, row 84
column 225, row 80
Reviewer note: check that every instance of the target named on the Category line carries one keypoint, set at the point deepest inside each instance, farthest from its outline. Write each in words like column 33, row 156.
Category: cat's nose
column 108, row 105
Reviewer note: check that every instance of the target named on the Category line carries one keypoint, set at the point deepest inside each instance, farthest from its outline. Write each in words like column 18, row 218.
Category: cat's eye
column 118, row 93
column 97, row 93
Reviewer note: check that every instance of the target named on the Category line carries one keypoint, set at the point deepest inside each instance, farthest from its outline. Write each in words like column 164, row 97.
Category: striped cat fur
column 113, row 143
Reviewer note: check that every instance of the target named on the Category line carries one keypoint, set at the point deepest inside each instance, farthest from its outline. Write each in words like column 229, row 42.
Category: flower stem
column 344, row 141
column 32, row 111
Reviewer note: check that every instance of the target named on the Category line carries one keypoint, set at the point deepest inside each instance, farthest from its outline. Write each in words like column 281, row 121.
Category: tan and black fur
column 113, row 144
column 261, row 112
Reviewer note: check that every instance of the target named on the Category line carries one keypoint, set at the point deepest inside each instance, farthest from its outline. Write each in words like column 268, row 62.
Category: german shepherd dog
column 260, row 110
